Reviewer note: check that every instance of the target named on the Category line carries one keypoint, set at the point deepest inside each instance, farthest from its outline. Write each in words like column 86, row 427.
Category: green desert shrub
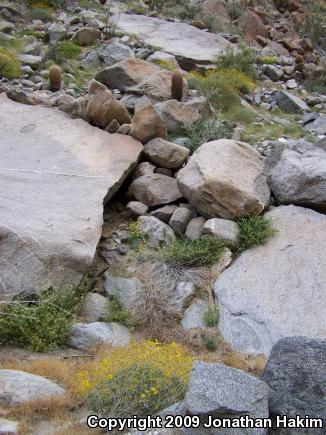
column 10, row 67
column 242, row 59
column 68, row 50
column 208, row 130
column 40, row 321
column 204, row 251
column 222, row 87
column 219, row 94
column 139, row 389
column 255, row 230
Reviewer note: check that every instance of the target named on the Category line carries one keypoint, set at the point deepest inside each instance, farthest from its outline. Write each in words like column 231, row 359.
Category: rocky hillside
column 162, row 216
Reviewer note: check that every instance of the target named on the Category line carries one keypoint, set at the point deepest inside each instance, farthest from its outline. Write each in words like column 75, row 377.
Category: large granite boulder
column 296, row 374
column 137, row 76
column 218, row 391
column 276, row 290
column 184, row 41
column 226, row 179
column 55, row 175
column 297, row 174
column 19, row 387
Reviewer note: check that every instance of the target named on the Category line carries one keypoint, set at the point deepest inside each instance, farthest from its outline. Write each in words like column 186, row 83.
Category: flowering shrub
column 140, row 379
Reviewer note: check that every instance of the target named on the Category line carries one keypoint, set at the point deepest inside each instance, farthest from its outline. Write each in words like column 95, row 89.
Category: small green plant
column 136, row 237
column 166, row 64
column 255, row 230
column 68, row 50
column 208, row 130
column 204, row 251
column 139, row 389
column 212, row 316
column 209, row 343
column 10, row 67
column 177, row 86
column 116, row 313
column 267, row 60
column 40, row 321
column 242, row 59
column 241, row 114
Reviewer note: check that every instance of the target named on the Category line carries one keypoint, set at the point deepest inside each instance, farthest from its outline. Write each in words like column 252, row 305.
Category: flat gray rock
column 296, row 374
column 290, row 103
column 18, row 387
column 221, row 391
column 179, row 39
column 129, row 292
column 298, row 175
column 277, row 290
column 86, row 335
column 223, row 229
column 194, row 316
column 157, row 233
column 8, row 427
column 55, row 175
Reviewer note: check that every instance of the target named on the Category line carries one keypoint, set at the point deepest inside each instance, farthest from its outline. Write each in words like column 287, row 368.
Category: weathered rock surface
column 165, row 154
column 86, row 335
column 223, row 229
column 155, row 189
column 164, row 213
column 94, row 308
column 157, row 232
column 290, row 103
column 194, row 316
column 276, row 290
column 147, row 125
column 8, row 427
column 137, row 208
column 298, row 175
column 86, row 36
column 177, row 116
column 127, row 291
column 225, row 179
column 102, row 107
column 55, row 174
column 180, row 39
column 295, row 372
column 18, row 387
column 139, row 77
column 115, row 52
column 194, row 227
column 180, row 219
column 221, row 391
